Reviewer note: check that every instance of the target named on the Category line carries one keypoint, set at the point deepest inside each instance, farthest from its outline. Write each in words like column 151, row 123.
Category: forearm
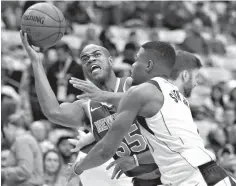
column 113, row 98
column 96, row 157
column 145, row 158
column 46, row 96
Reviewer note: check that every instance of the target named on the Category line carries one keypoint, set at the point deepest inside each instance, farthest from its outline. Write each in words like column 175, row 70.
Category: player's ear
column 149, row 66
column 185, row 76
column 111, row 61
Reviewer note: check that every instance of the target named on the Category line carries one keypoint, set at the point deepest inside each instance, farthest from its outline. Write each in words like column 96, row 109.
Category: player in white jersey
column 171, row 133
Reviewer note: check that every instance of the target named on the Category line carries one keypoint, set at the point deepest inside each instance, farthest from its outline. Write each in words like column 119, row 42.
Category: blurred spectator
column 202, row 15
column 123, row 65
column 111, row 12
column 129, row 53
column 215, row 104
column 216, row 46
column 54, row 175
column 64, row 148
column 217, row 140
column 154, row 36
column 52, row 165
column 232, row 98
column 227, row 159
column 176, row 15
column 25, row 162
column 133, row 39
column 194, row 42
column 230, row 126
column 105, row 38
column 38, row 130
column 9, row 101
column 61, row 71
column 91, row 38
column 76, row 13
column 4, row 156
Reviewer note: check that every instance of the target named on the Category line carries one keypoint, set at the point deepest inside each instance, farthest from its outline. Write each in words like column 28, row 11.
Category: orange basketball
column 44, row 24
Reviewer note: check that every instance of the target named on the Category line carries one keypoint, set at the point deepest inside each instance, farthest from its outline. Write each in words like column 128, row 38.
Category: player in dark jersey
column 97, row 67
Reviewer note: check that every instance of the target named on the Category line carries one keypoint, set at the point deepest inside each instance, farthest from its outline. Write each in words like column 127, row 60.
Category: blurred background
column 207, row 29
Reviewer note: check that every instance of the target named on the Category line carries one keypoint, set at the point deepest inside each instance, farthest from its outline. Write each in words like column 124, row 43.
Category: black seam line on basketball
column 165, row 122
column 59, row 23
column 181, row 140
column 58, row 14
column 42, row 26
column 45, row 38
column 175, row 152
column 205, row 153
column 45, row 14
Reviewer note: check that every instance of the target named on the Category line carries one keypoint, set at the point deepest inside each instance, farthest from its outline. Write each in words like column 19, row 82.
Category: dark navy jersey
column 103, row 115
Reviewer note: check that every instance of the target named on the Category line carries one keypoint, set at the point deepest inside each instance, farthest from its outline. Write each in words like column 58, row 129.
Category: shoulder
column 146, row 92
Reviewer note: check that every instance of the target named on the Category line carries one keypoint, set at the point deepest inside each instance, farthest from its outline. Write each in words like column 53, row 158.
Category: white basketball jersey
column 173, row 137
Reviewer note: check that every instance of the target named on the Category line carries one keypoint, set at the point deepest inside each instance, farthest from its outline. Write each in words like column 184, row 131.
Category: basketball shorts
column 140, row 182
column 209, row 174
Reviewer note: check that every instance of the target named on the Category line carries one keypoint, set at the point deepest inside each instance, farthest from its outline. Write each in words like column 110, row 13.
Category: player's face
column 139, row 72
column 96, row 65
column 192, row 81
column 52, row 162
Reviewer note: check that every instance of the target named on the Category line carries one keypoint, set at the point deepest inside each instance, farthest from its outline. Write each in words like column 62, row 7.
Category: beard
column 187, row 92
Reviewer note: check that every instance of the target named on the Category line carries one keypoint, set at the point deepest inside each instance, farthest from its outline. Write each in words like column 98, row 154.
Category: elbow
column 52, row 115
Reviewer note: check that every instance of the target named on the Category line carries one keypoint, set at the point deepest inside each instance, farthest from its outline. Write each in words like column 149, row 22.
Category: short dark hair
column 63, row 138
column 164, row 50
column 184, row 61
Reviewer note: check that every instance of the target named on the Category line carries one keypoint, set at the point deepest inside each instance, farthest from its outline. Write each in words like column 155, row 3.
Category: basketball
column 44, row 24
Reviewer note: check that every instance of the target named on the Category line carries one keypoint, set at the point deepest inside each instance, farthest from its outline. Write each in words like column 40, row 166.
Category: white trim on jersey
column 89, row 115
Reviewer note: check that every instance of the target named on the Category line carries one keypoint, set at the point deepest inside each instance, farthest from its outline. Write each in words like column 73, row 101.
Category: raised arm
column 66, row 114
column 145, row 100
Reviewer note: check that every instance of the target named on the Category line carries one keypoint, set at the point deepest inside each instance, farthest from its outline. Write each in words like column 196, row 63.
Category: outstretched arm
column 92, row 92
column 67, row 114
column 128, row 110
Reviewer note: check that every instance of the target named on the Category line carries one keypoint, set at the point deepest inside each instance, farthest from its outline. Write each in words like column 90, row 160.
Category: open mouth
column 95, row 68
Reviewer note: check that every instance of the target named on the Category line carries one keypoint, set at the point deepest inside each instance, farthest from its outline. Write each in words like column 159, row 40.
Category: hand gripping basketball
column 31, row 52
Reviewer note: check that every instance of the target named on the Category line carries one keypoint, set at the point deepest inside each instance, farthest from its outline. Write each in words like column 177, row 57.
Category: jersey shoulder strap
column 121, row 86
column 155, row 83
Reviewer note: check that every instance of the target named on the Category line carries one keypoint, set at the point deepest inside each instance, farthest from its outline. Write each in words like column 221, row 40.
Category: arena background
column 207, row 29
